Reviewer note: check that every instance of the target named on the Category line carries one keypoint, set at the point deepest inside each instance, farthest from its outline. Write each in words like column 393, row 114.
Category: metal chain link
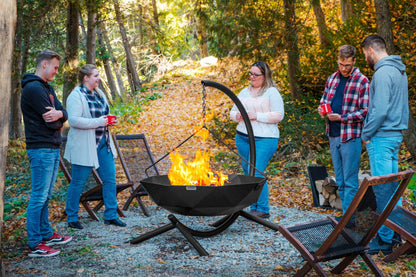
column 204, row 103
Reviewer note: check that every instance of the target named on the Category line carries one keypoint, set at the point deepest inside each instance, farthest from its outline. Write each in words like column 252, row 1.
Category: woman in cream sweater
column 264, row 106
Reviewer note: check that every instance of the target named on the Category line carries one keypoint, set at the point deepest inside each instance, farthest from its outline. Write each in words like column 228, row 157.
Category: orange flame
column 196, row 172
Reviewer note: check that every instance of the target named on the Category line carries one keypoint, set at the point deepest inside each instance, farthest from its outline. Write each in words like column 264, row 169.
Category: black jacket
column 36, row 96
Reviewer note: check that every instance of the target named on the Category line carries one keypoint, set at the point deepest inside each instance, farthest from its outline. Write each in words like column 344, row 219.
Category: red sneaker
column 56, row 239
column 42, row 250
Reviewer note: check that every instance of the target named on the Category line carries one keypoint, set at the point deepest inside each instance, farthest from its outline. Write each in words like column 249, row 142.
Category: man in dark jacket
column 43, row 117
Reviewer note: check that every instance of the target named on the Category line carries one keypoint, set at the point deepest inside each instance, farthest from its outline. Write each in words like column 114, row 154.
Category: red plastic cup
column 111, row 119
column 326, row 108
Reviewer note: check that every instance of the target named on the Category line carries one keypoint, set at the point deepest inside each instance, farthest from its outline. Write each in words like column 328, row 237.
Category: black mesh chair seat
column 314, row 234
column 404, row 220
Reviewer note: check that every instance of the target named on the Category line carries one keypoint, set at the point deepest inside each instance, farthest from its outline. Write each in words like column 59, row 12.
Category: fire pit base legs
column 189, row 234
column 174, row 224
column 259, row 220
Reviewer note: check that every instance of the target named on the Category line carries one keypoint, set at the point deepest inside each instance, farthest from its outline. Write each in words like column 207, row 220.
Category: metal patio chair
column 326, row 239
column 134, row 158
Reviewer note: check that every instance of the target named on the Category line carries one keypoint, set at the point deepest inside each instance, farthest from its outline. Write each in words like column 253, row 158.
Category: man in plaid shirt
column 346, row 91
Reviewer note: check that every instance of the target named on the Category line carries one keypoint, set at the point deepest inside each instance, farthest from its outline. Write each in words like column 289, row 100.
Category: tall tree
column 384, row 29
column 114, row 62
column 71, row 52
column 16, row 127
column 7, row 30
column 346, row 10
column 293, row 64
column 320, row 20
column 107, row 67
column 384, row 23
column 131, row 67
column 91, row 30
column 201, row 27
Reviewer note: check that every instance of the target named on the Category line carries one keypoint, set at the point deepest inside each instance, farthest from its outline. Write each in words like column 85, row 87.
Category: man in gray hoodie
column 387, row 116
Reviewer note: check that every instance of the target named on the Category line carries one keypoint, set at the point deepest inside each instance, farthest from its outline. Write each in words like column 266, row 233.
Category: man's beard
column 370, row 62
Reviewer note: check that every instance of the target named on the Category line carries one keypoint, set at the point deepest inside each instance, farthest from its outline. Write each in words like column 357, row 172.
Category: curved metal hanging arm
column 246, row 119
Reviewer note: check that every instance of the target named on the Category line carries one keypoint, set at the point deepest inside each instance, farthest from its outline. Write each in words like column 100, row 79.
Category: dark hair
column 374, row 41
column 85, row 70
column 267, row 73
column 46, row 55
column 347, row 51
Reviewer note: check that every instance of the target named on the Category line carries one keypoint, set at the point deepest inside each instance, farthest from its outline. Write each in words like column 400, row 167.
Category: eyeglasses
column 345, row 65
column 254, row 75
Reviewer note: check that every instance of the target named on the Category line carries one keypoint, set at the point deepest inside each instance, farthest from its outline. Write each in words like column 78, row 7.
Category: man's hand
column 52, row 115
column 334, row 117
column 321, row 112
column 365, row 142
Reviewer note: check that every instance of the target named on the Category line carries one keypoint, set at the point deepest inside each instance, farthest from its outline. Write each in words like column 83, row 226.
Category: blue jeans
column 383, row 153
column 265, row 148
column 346, row 161
column 107, row 173
column 44, row 163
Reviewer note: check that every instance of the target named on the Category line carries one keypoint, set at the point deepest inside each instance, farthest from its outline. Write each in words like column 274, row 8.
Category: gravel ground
column 244, row 249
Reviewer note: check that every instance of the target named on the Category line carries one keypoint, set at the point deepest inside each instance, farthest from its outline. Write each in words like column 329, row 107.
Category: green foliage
column 412, row 265
column 302, row 131
column 130, row 110
column 412, row 188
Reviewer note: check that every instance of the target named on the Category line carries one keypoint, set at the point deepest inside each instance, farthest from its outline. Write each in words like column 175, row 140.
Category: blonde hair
column 85, row 70
column 267, row 73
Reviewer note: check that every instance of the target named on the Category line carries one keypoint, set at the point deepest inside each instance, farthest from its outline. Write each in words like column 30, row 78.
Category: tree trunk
column 131, row 68
column 201, row 27
column 384, row 29
column 7, row 28
column 81, row 24
column 113, row 60
column 409, row 136
column 155, row 14
column 140, row 27
column 155, row 30
column 384, row 24
column 320, row 21
column 16, row 128
column 346, row 10
column 293, row 63
column 71, row 51
column 91, row 31
column 107, row 67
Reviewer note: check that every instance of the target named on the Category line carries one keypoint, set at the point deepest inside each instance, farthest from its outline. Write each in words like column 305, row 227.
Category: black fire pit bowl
column 238, row 193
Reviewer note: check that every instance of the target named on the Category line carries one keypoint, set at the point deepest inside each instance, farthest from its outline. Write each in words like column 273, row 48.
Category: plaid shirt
column 354, row 102
column 98, row 107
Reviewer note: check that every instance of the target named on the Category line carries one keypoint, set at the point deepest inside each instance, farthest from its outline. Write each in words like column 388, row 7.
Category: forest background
column 140, row 46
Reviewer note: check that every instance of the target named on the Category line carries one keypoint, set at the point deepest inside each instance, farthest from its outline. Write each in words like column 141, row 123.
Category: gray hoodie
column 388, row 111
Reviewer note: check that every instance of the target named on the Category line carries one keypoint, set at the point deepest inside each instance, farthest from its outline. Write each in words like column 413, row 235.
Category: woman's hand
column 238, row 117
column 252, row 116
column 106, row 121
